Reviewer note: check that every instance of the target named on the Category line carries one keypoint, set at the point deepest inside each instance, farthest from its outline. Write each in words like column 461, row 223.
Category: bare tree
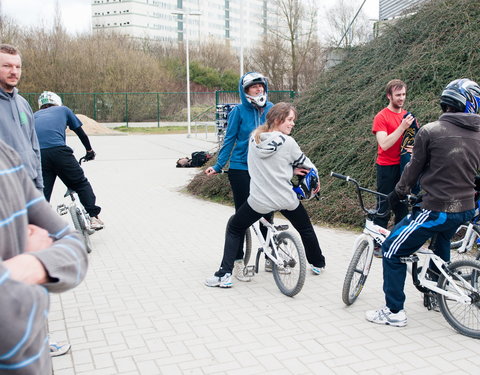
column 349, row 25
column 291, row 43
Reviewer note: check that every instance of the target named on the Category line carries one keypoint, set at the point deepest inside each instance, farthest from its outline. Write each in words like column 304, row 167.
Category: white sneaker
column 96, row 223
column 316, row 270
column 58, row 349
column 238, row 268
column 385, row 316
column 223, row 282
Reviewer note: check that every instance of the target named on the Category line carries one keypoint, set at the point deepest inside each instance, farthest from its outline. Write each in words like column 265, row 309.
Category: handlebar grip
column 340, row 176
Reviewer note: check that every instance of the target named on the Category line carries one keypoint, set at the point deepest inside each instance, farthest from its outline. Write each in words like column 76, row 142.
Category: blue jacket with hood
column 243, row 119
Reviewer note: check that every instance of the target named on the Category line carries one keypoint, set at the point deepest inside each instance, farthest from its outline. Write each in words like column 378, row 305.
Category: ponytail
column 277, row 114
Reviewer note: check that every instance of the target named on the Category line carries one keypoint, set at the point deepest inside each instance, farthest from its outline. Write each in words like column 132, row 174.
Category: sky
column 76, row 14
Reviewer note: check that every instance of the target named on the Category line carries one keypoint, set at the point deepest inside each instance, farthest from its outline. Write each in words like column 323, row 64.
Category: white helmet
column 251, row 79
column 48, row 97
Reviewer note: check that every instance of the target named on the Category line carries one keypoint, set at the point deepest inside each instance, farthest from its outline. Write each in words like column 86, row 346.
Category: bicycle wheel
column 464, row 318
column 76, row 223
column 357, row 273
column 291, row 277
column 458, row 240
column 247, row 243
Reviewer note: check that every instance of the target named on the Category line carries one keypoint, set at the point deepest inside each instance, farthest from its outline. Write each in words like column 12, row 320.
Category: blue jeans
column 407, row 237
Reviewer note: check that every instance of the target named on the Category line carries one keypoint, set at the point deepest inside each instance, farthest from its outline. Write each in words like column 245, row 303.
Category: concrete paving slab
column 143, row 308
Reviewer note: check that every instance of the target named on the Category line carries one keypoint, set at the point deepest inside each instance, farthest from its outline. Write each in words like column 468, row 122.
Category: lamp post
column 187, row 57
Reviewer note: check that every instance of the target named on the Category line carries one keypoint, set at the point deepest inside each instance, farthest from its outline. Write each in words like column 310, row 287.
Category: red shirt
column 388, row 121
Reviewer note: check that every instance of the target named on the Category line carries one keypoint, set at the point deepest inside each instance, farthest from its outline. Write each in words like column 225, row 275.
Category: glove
column 394, row 200
column 90, row 155
column 477, row 183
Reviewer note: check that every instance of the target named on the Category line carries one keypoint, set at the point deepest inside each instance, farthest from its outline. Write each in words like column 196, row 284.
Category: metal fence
column 123, row 108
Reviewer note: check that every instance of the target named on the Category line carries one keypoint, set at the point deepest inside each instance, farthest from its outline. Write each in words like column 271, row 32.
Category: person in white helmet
column 244, row 118
column 51, row 122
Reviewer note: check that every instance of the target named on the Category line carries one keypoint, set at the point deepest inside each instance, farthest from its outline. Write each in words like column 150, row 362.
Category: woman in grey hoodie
column 273, row 158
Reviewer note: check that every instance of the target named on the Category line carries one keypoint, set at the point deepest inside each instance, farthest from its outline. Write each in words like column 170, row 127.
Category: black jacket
column 446, row 158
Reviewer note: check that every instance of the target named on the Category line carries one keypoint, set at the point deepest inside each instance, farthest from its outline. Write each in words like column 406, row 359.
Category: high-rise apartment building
column 394, row 8
column 239, row 22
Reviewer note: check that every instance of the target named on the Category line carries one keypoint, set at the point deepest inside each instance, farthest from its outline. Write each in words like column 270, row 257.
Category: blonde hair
column 277, row 114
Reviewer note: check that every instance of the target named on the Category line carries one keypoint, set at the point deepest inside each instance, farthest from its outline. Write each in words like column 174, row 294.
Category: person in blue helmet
column 446, row 160
column 242, row 121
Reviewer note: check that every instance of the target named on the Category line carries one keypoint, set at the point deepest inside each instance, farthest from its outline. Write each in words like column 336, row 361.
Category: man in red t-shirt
column 388, row 126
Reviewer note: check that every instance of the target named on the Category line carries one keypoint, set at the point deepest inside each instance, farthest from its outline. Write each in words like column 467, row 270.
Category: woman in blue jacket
column 242, row 121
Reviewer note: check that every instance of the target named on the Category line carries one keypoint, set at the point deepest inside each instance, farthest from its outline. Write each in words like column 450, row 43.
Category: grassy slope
column 427, row 50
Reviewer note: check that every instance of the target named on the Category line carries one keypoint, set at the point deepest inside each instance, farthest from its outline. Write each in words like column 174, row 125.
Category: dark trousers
column 60, row 161
column 240, row 184
column 407, row 237
column 246, row 216
column 387, row 178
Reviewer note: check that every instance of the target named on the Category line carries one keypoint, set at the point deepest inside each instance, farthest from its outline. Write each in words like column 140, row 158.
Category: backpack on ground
column 198, row 159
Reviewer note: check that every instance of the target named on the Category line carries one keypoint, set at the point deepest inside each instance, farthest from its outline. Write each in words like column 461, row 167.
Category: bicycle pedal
column 249, row 271
column 281, row 227
column 62, row 209
column 410, row 259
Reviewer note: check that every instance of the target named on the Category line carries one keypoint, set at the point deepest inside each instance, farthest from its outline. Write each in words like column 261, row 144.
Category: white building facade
column 394, row 8
column 237, row 22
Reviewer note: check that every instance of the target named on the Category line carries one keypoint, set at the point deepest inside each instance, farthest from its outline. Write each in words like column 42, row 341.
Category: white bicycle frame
column 372, row 233
column 461, row 297
column 376, row 233
column 268, row 240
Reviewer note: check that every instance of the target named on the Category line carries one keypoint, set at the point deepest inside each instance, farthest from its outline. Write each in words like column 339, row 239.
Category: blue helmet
column 307, row 185
column 463, row 95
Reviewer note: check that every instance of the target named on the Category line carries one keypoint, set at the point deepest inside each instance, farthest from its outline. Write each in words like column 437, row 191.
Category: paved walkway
column 143, row 308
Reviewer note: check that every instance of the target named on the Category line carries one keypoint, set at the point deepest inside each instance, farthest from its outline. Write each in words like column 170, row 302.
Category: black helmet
column 463, row 95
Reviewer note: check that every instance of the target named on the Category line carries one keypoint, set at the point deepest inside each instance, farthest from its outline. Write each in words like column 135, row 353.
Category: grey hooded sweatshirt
column 270, row 165
column 446, row 158
column 18, row 131
column 24, row 348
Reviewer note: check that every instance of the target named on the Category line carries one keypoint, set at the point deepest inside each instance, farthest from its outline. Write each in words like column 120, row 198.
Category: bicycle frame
column 267, row 241
column 432, row 285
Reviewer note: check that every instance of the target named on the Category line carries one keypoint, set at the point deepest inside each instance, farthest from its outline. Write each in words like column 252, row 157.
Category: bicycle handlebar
column 340, row 176
column 359, row 190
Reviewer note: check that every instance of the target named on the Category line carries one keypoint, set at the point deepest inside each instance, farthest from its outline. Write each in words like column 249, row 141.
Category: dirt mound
column 91, row 127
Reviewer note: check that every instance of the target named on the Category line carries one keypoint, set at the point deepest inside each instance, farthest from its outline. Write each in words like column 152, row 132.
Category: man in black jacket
column 445, row 158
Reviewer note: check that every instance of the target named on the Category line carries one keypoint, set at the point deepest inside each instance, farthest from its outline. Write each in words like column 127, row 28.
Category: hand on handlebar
column 90, row 155
column 394, row 199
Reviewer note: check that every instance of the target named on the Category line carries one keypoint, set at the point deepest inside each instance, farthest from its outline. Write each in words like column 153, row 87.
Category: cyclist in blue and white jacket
column 244, row 118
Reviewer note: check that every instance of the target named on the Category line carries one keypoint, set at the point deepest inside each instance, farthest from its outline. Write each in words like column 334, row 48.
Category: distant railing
column 149, row 107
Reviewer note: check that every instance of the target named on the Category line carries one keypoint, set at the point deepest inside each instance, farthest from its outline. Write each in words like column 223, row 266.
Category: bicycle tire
column 465, row 319
column 247, row 243
column 76, row 223
column 290, row 280
column 352, row 287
